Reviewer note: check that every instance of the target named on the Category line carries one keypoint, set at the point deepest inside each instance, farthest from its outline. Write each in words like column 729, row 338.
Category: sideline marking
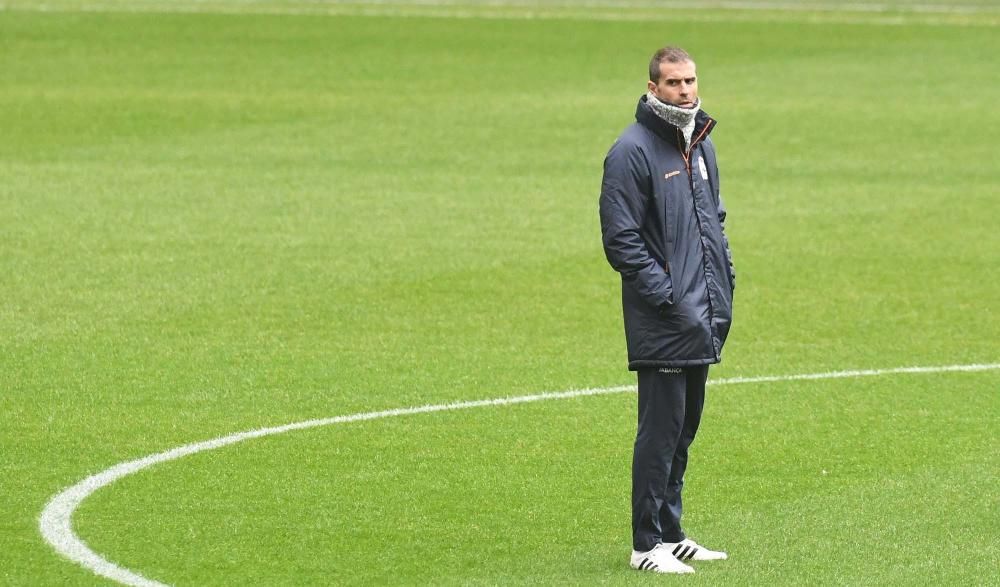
column 313, row 6
column 875, row 13
column 55, row 522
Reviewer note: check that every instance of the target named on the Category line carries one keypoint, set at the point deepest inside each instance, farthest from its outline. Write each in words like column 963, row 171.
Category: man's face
column 678, row 84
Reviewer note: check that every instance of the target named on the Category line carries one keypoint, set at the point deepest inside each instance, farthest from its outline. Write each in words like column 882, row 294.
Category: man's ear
column 651, row 86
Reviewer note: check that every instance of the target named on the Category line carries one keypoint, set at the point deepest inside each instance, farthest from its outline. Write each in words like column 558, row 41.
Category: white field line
column 56, row 525
column 600, row 10
column 773, row 6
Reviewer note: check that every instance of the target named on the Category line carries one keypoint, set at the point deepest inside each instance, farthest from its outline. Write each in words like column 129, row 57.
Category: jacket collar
column 703, row 125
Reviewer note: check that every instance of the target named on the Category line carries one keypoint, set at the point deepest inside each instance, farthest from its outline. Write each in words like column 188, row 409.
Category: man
column 662, row 223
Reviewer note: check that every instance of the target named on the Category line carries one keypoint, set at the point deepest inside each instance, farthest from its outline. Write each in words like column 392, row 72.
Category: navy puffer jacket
column 662, row 222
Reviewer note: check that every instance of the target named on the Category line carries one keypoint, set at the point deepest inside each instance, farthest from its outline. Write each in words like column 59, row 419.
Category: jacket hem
column 656, row 364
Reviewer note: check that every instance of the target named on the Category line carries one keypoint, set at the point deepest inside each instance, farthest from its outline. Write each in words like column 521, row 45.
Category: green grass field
column 222, row 216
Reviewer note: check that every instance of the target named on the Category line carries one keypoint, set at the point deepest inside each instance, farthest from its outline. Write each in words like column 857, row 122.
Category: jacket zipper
column 701, row 232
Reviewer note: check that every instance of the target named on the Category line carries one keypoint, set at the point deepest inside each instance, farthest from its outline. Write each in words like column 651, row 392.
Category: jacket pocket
column 669, row 217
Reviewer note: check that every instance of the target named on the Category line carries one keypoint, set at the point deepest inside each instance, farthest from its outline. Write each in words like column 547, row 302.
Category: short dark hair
column 668, row 54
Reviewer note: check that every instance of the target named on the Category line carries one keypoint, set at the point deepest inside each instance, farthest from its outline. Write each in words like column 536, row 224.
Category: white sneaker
column 689, row 550
column 658, row 560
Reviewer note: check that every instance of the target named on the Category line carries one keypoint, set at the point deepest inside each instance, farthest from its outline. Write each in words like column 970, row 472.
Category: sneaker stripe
column 678, row 548
column 694, row 550
column 684, row 553
column 645, row 563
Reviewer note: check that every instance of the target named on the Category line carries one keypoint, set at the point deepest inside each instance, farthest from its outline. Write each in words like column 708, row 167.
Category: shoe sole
column 653, row 568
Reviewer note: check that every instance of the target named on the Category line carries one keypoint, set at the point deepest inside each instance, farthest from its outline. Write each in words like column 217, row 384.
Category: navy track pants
column 670, row 405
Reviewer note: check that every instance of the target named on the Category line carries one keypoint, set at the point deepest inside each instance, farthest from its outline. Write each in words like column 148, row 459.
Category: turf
column 221, row 220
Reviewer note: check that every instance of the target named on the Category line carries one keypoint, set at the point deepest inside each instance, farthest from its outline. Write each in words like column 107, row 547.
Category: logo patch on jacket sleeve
column 702, row 168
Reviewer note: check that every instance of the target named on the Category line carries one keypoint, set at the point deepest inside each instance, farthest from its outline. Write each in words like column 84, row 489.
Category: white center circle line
column 55, row 521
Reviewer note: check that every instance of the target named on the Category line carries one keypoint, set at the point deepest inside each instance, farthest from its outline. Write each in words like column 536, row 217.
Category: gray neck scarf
column 682, row 118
